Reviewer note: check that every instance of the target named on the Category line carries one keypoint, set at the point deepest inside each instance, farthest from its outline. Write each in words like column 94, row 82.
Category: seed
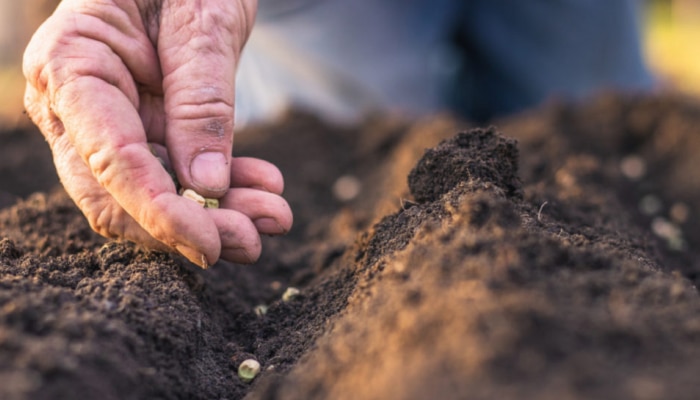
column 203, row 201
column 211, row 203
column 290, row 293
column 248, row 370
column 671, row 232
column 192, row 195
column 260, row 310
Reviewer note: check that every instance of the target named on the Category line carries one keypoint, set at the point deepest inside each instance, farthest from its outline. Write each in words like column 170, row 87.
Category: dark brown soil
column 506, row 262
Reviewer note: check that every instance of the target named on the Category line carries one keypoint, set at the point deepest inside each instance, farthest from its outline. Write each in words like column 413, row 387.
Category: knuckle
column 60, row 54
column 201, row 103
column 41, row 114
column 206, row 113
column 47, row 51
column 104, row 217
column 108, row 163
column 100, row 162
column 157, row 219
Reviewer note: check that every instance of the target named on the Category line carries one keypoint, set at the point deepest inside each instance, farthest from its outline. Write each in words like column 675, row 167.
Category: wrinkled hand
column 108, row 77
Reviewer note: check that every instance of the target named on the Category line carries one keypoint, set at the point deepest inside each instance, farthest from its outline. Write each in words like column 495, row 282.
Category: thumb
column 199, row 44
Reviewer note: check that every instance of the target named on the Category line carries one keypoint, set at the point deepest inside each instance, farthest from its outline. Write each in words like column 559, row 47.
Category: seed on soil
column 248, row 370
column 633, row 167
column 260, row 310
column 667, row 230
column 290, row 293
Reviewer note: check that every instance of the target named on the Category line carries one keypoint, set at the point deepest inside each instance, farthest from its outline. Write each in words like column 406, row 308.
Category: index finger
column 106, row 130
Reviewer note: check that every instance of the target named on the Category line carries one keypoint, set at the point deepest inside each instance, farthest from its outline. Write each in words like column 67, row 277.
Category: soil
column 552, row 256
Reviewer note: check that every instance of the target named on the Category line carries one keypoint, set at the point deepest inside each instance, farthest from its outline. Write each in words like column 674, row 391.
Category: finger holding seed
column 240, row 240
column 246, row 172
column 255, row 173
column 255, row 191
column 269, row 212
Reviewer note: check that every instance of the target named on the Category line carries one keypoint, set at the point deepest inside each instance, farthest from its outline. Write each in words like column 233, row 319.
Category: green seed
column 211, row 203
column 248, row 370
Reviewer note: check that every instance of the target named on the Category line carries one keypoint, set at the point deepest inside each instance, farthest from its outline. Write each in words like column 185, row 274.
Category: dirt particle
column 8, row 249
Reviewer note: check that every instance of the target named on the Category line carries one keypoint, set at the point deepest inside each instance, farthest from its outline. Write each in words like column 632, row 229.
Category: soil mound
column 476, row 155
column 560, row 265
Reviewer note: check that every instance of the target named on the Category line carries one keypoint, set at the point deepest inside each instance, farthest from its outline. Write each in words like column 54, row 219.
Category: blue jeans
column 343, row 59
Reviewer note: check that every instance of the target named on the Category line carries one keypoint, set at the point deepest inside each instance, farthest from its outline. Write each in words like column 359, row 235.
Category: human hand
column 108, row 77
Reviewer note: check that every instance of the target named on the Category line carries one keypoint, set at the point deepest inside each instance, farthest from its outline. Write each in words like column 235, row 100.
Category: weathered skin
column 108, row 77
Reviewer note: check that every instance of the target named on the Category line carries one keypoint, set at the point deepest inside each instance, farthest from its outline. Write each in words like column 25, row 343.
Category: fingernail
column 193, row 255
column 269, row 226
column 238, row 255
column 210, row 170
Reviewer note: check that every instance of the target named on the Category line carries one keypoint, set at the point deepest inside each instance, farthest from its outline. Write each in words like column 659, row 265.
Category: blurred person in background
column 479, row 58
column 111, row 81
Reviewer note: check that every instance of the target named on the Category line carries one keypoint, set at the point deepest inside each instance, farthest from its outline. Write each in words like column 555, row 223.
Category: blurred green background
column 671, row 32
